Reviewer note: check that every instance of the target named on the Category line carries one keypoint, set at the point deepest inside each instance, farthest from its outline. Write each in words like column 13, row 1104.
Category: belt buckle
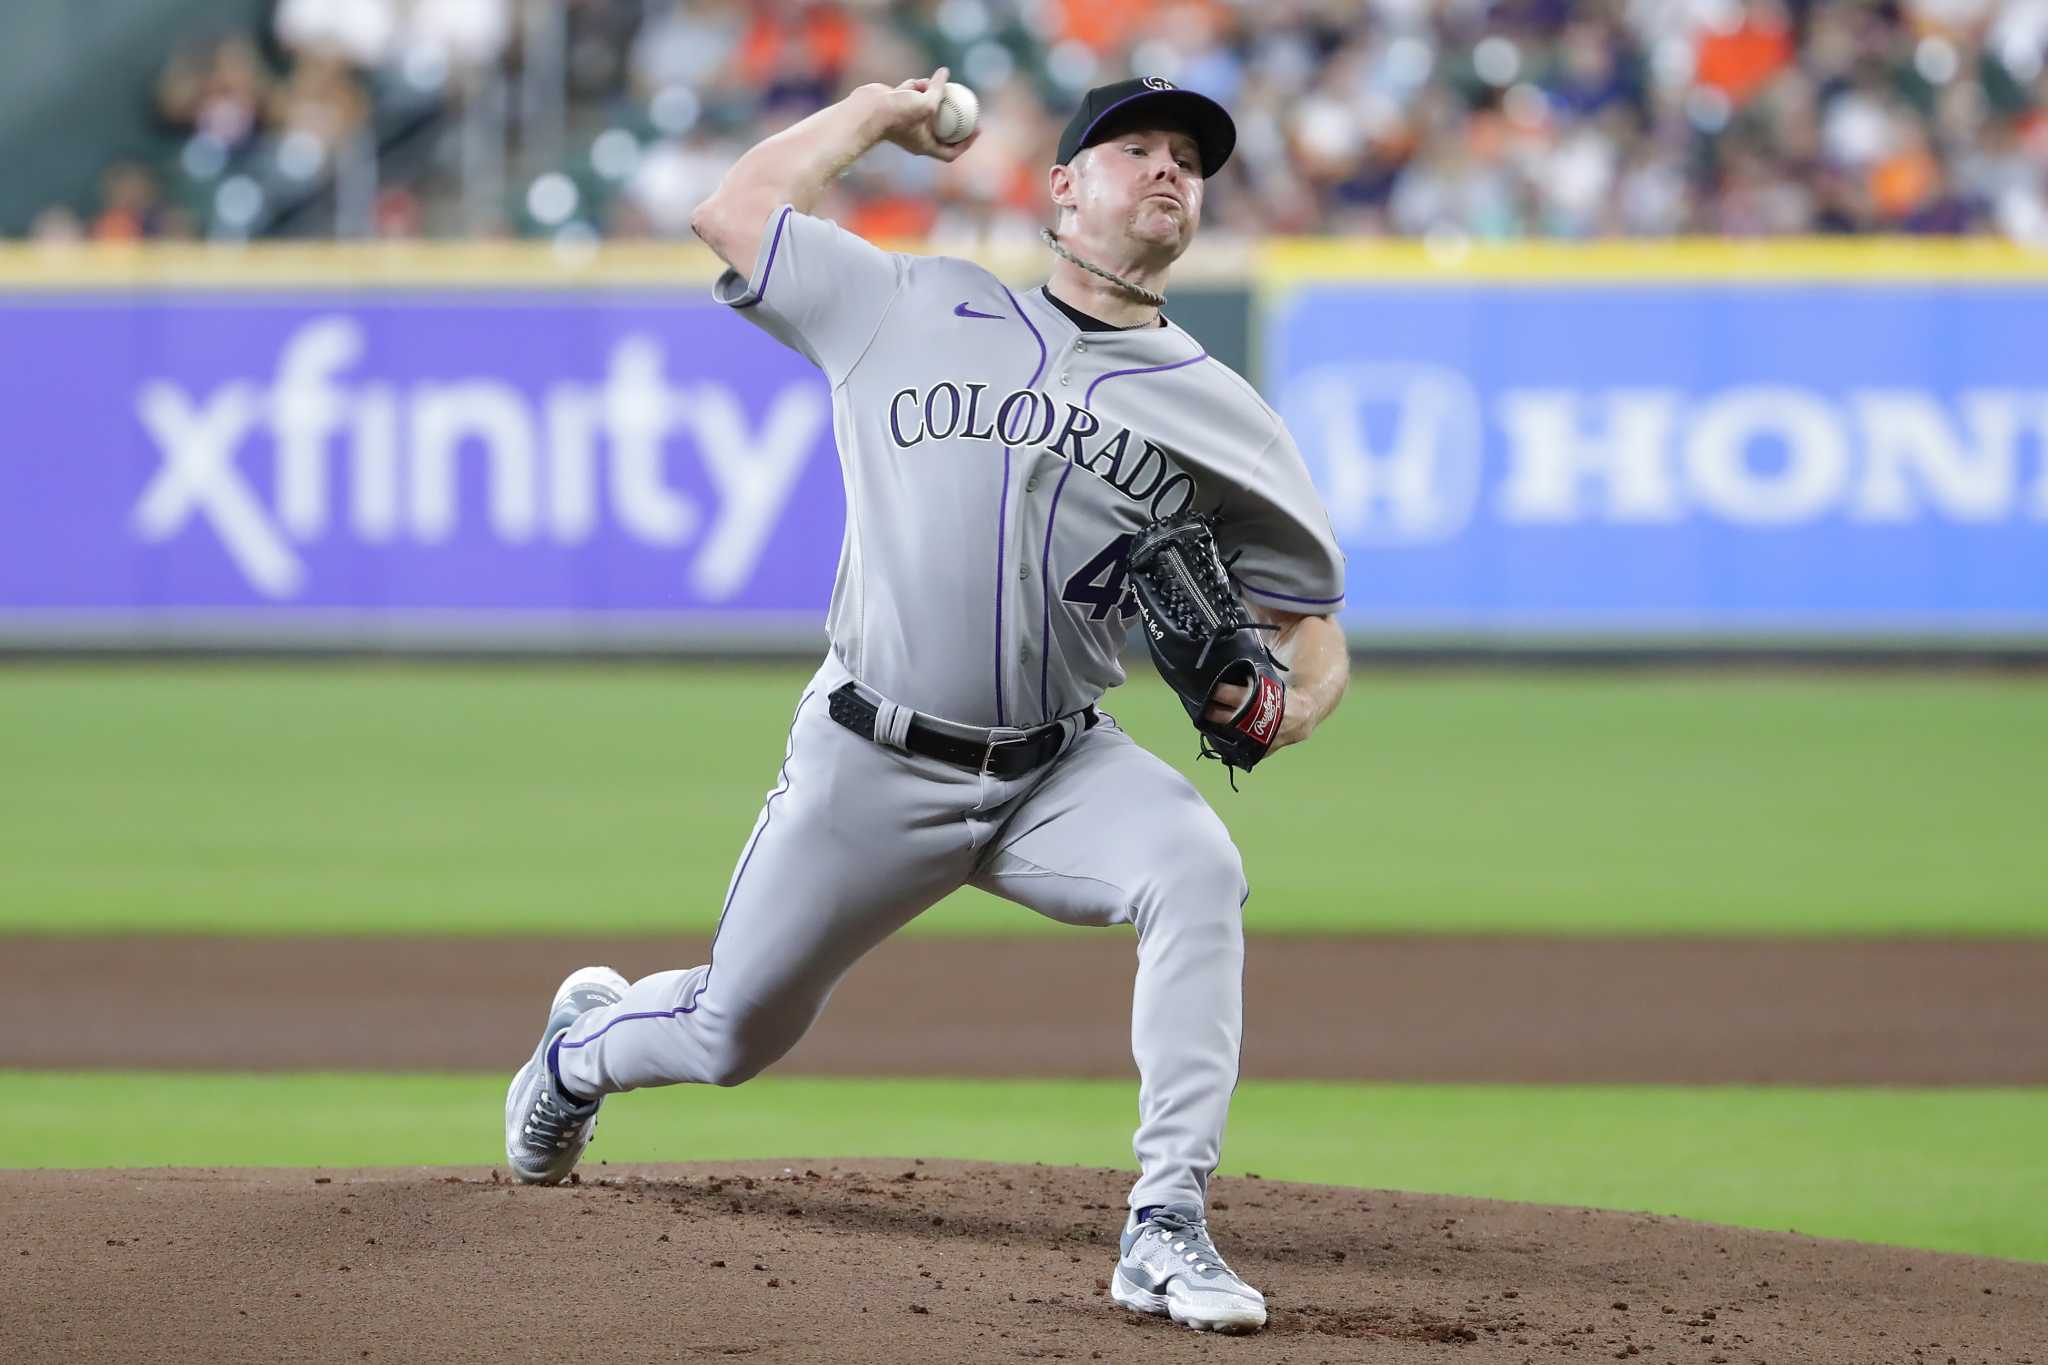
column 988, row 756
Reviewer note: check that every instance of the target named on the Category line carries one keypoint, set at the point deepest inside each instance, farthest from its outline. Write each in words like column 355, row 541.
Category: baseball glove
column 1202, row 635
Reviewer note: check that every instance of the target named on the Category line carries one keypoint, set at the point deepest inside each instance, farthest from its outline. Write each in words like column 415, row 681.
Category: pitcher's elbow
column 706, row 221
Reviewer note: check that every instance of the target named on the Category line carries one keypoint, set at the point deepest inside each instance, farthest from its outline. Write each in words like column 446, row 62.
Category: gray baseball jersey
column 997, row 460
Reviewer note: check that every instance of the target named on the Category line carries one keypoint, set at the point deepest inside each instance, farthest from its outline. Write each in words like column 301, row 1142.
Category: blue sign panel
column 1713, row 459
column 288, row 458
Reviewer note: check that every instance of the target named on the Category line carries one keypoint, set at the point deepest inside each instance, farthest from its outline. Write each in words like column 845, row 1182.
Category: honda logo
column 1395, row 448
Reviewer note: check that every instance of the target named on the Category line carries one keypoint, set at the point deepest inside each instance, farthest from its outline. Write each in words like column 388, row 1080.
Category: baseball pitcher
column 1026, row 474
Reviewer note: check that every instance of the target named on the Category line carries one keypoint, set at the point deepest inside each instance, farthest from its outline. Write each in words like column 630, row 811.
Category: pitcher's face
column 1144, row 186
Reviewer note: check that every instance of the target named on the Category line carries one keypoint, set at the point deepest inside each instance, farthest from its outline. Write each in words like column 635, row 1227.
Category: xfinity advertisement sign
column 483, row 454
column 1867, row 460
column 390, row 456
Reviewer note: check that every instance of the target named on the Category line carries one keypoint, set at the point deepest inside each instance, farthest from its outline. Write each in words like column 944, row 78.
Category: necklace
column 1137, row 291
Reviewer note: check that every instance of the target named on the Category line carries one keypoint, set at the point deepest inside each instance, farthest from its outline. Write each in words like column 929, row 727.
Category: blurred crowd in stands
column 1487, row 119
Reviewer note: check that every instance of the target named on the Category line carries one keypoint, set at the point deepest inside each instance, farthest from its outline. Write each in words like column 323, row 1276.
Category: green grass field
column 522, row 798
column 374, row 798
column 1949, row 1170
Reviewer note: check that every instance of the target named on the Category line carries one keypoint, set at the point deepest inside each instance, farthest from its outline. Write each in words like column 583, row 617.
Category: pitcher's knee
column 1199, row 884
column 747, row 1052
column 1211, row 862
column 735, row 1069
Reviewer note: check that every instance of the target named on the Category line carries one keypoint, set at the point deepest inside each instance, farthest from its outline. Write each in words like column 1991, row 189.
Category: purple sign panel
column 473, row 453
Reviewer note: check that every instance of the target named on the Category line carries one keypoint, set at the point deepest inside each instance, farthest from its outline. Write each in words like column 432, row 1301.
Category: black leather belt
column 989, row 752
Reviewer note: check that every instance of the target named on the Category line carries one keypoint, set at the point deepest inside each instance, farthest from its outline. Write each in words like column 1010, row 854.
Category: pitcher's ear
column 1060, row 182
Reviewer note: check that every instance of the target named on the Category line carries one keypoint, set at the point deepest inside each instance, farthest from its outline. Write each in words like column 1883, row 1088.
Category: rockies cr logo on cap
column 1153, row 102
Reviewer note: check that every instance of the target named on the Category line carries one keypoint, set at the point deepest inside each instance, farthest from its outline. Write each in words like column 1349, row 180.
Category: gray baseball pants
column 857, row 839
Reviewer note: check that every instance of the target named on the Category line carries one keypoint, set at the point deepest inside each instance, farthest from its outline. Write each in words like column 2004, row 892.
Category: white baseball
column 956, row 115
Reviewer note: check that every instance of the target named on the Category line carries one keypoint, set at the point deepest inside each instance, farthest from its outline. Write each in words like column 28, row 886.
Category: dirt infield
column 1821, row 1013
column 907, row 1261
column 883, row 1261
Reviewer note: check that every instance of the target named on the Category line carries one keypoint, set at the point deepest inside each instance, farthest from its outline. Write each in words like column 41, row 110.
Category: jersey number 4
column 1100, row 583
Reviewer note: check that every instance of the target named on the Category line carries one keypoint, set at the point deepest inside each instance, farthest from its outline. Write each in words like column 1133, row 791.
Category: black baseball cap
column 1155, row 102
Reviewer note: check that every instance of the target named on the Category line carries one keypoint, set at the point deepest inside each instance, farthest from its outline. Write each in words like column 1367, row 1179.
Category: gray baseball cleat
column 545, row 1131
column 1170, row 1267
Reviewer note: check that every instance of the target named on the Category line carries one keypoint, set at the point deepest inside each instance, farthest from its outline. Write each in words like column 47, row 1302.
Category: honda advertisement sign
column 1839, row 460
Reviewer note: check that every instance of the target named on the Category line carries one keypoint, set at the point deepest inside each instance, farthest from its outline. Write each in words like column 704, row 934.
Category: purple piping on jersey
column 1089, row 401
column 767, row 813
column 769, row 269
column 1045, row 586
column 1038, row 373
column 1002, row 527
column 1003, row 512
column 1284, row 597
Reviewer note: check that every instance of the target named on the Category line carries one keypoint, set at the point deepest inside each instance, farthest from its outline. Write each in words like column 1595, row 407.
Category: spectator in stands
column 671, row 179
column 1477, row 118
column 58, row 225
column 323, row 99
column 217, row 91
column 363, row 33
column 795, row 52
column 468, row 35
column 686, row 45
column 1741, row 48
column 131, row 204
column 397, row 215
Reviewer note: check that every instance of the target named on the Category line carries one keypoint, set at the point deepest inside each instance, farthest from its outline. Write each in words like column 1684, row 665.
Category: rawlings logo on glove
column 1202, row 636
column 1262, row 712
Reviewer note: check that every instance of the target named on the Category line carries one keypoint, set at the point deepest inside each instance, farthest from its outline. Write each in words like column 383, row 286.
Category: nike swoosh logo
column 1145, row 1277
column 963, row 311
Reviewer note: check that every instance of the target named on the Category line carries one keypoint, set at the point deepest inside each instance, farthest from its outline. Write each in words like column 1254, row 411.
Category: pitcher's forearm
column 1319, row 669
column 793, row 167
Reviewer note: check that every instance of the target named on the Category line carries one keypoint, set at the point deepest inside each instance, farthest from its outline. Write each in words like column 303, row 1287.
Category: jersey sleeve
column 1278, row 527
column 816, row 288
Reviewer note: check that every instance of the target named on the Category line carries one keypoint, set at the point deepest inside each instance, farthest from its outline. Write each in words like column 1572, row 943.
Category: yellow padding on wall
column 29, row 267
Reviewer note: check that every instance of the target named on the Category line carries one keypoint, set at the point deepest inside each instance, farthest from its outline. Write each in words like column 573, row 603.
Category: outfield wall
column 1812, row 443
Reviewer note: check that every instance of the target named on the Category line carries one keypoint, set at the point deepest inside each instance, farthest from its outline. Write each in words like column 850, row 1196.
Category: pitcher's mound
column 893, row 1261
